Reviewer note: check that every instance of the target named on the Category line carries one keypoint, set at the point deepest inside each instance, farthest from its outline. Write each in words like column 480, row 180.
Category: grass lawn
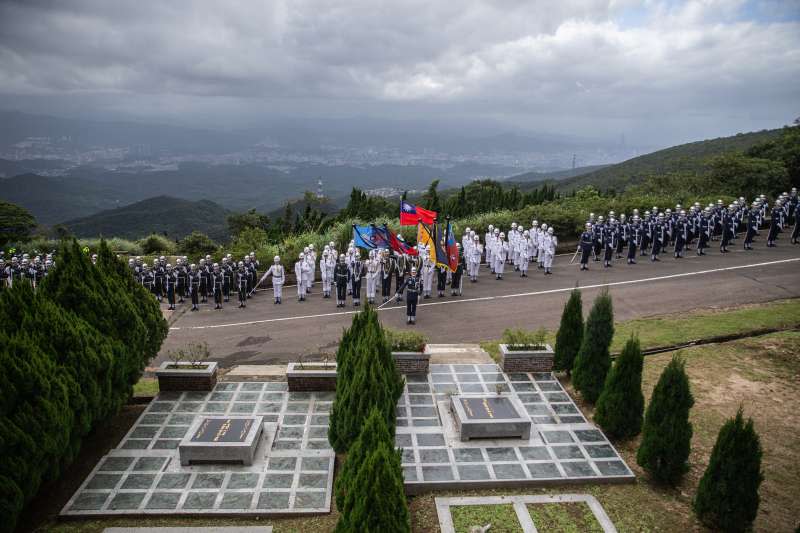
column 503, row 518
column 146, row 387
column 680, row 328
column 568, row 517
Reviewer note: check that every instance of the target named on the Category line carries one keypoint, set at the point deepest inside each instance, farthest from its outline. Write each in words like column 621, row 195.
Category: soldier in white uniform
column 308, row 274
column 534, row 240
column 373, row 271
column 301, row 273
column 500, row 253
column 326, row 266
column 541, row 246
column 475, row 259
column 278, row 277
column 524, row 251
column 428, row 269
column 488, row 242
column 550, row 244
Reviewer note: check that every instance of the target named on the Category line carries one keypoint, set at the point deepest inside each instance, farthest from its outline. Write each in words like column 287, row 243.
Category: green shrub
column 405, row 341
column 667, row 432
column 366, row 378
column 620, row 408
column 727, row 496
column 157, row 244
column 570, row 333
column 373, row 500
column 196, row 245
column 593, row 359
column 518, row 339
column 70, row 353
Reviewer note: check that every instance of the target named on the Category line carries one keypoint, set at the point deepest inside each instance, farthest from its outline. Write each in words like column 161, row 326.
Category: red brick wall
column 412, row 366
column 180, row 383
column 311, row 384
column 534, row 363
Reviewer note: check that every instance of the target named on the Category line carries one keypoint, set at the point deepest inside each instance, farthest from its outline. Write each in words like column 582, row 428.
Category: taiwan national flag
column 410, row 214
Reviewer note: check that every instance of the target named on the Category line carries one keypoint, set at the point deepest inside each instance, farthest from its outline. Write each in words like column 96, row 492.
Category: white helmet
column 277, row 259
column 302, row 255
column 550, row 230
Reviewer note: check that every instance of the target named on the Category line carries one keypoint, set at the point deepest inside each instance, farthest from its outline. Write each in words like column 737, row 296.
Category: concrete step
column 443, row 354
column 262, row 372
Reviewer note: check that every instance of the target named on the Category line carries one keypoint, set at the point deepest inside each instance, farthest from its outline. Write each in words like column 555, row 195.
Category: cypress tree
column 620, row 408
column 372, row 432
column 375, row 501
column 369, row 379
column 570, row 333
column 727, row 496
column 593, row 359
column 667, row 432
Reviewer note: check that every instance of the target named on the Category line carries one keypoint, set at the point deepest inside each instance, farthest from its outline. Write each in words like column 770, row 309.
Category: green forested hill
column 160, row 214
column 691, row 157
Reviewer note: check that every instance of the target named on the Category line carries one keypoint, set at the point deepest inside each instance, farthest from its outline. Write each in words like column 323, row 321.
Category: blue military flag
column 362, row 237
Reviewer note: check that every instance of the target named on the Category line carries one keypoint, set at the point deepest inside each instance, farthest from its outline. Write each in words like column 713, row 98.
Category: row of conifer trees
column 71, row 352
column 727, row 495
column 369, row 487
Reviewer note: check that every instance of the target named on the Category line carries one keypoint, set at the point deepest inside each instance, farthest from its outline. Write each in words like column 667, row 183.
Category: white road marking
column 500, row 297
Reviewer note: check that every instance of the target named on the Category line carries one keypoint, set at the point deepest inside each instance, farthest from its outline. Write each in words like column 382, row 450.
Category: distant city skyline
column 652, row 72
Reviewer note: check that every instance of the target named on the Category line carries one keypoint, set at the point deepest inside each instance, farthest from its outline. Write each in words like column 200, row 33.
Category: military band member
column 278, row 277
column 413, row 284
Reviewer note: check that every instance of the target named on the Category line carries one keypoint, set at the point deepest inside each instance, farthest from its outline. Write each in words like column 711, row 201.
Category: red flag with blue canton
column 410, row 214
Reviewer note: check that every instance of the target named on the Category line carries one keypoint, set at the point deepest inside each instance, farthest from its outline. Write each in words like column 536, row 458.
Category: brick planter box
column 186, row 377
column 311, row 377
column 527, row 361
column 412, row 362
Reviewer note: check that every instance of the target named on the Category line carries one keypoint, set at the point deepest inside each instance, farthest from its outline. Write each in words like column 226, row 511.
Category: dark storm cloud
column 566, row 62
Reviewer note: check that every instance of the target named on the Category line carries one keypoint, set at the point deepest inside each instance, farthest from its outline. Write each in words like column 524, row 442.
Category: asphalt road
column 264, row 333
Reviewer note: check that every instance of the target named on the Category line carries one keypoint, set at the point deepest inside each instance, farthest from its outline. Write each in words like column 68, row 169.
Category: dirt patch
column 253, row 341
column 568, row 517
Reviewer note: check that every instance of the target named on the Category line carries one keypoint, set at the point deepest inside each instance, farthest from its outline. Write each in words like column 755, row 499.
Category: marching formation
column 400, row 271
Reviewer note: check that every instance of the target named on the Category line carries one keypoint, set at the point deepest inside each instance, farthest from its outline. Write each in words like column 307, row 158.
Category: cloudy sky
column 657, row 71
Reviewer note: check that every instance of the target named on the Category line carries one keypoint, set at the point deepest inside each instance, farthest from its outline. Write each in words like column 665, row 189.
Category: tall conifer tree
column 570, row 333
column 620, row 408
column 594, row 359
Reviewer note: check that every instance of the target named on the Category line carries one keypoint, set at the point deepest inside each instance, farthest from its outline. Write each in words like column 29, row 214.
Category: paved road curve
column 266, row 334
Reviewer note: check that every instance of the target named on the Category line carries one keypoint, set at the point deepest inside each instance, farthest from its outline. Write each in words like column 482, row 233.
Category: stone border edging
column 519, row 502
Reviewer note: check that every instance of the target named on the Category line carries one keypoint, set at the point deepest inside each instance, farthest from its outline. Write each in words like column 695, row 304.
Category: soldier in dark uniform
column 598, row 231
column 204, row 285
column 387, row 268
column 414, row 284
column 751, row 222
column 609, row 243
column 170, row 281
column 457, row 278
column 356, row 273
column 241, row 284
column 158, row 279
column 726, row 224
column 634, row 239
column 217, row 281
column 254, row 266
column 441, row 280
column 227, row 279
column 659, row 236
column 182, row 274
column 647, row 233
column 680, row 230
column 194, row 279
column 586, row 244
column 623, row 229
column 5, row 273
column 148, row 280
column 400, row 271
column 341, row 275
column 774, row 224
column 705, row 228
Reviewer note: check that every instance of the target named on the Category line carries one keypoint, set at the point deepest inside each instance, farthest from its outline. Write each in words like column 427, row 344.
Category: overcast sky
column 657, row 71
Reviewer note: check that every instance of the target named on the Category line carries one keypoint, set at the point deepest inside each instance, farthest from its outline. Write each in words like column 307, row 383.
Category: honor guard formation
column 605, row 238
